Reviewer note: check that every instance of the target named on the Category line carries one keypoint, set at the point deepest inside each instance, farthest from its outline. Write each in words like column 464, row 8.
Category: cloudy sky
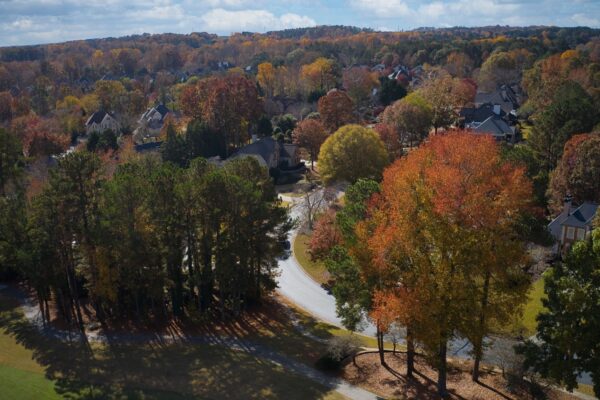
column 46, row 21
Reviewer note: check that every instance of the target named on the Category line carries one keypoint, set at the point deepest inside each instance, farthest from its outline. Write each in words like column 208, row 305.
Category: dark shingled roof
column 96, row 118
column 162, row 109
column 479, row 114
column 577, row 217
column 582, row 216
column 494, row 125
column 264, row 147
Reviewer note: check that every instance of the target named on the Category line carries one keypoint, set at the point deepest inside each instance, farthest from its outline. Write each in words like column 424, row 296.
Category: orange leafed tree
column 325, row 236
column 445, row 222
column 266, row 78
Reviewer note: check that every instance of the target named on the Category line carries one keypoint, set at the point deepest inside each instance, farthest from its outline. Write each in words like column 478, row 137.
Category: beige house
column 572, row 224
column 101, row 121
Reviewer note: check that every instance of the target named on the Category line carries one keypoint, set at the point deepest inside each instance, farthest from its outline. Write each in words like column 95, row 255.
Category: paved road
column 301, row 289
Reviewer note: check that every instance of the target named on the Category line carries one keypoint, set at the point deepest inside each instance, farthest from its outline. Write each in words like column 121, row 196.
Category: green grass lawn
column 21, row 377
column 36, row 367
column 317, row 269
column 526, row 325
column 18, row 384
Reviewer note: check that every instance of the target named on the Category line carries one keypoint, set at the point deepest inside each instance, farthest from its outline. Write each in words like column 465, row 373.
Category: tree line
column 152, row 239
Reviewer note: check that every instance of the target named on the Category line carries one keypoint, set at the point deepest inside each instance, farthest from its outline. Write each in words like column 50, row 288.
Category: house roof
column 480, row 114
column 162, row 109
column 494, row 125
column 96, row 118
column 582, row 216
column 505, row 96
column 265, row 148
column 579, row 217
column 288, row 150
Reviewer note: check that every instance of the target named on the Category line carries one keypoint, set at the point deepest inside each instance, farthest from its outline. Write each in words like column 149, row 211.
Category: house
column 497, row 127
column 490, row 119
column 378, row 68
column 151, row 123
column 473, row 116
column 101, row 121
column 505, row 96
column 273, row 154
column 572, row 224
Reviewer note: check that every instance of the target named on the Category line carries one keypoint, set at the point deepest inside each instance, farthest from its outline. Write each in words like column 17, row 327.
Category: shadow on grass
column 153, row 369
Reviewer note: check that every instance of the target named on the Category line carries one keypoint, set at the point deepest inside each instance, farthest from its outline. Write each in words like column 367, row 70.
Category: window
column 580, row 234
column 570, row 233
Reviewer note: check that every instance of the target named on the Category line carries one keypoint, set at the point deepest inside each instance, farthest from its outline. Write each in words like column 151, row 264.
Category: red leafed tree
column 336, row 109
column 229, row 104
column 577, row 173
column 359, row 83
column 325, row 236
column 39, row 137
column 391, row 140
column 310, row 135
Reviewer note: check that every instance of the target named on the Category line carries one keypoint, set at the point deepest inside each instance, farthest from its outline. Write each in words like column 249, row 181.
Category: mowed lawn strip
column 317, row 269
column 526, row 325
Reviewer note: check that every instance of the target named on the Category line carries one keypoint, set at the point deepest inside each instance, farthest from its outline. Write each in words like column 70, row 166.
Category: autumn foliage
column 325, row 236
column 578, row 172
column 445, row 223
column 310, row 135
column 229, row 104
column 336, row 109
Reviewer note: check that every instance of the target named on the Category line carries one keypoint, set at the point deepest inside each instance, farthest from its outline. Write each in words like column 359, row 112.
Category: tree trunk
column 478, row 342
column 380, row 347
column 442, row 370
column 410, row 353
column 206, row 276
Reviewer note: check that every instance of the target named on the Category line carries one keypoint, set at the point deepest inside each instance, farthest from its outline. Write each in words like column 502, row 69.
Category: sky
column 25, row 22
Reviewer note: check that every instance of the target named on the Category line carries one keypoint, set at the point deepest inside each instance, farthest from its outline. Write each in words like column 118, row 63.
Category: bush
column 338, row 349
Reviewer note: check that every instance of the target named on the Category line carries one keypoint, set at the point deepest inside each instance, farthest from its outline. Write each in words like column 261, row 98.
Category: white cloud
column 224, row 21
column 22, row 24
column 432, row 10
column 159, row 12
column 482, row 7
column 585, row 20
column 229, row 3
column 437, row 11
column 383, row 8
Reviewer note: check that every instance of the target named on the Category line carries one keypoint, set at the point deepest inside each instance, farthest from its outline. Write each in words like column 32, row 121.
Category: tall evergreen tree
column 568, row 330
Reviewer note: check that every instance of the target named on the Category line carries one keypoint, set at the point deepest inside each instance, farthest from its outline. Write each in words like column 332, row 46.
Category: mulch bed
column 391, row 382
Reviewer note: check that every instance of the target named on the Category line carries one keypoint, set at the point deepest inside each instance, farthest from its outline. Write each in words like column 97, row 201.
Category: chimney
column 497, row 109
column 567, row 206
